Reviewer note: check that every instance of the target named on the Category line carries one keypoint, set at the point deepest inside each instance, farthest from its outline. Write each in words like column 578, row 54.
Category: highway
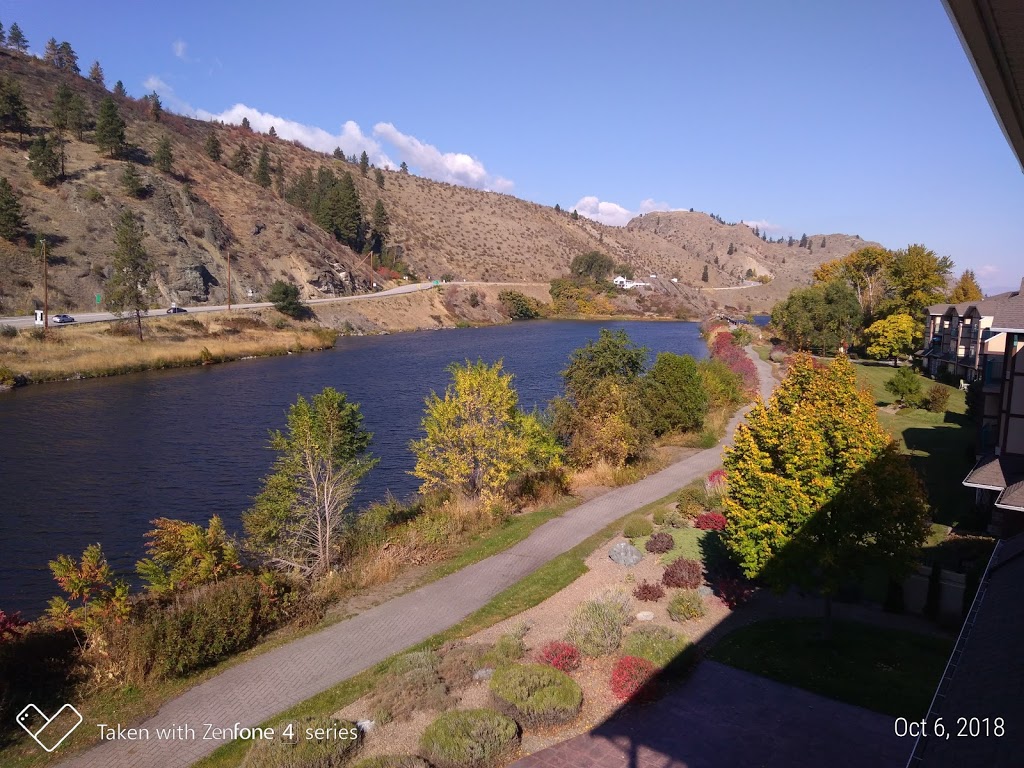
column 21, row 321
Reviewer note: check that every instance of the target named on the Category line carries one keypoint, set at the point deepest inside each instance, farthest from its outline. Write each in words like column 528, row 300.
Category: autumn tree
column 966, row 289
column 917, row 278
column 212, row 147
column 262, row 174
column 183, row 555
column 864, row 270
column 50, row 52
column 673, row 394
column 163, row 158
column 110, row 127
column 96, row 74
column 817, row 490
column 477, row 440
column 891, row 337
column 97, row 595
column 299, row 515
column 12, row 223
column 129, row 290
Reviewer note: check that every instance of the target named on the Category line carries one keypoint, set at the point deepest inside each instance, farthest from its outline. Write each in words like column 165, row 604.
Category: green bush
column 937, row 398
column 518, row 305
column 686, row 604
column 509, row 648
column 285, row 298
column 412, row 684
column 197, row 629
column 332, row 747
column 905, row 386
column 673, row 394
column 536, row 694
column 659, row 645
column 596, row 625
column 472, row 738
column 636, row 527
column 723, row 387
column 659, row 515
column 392, row 761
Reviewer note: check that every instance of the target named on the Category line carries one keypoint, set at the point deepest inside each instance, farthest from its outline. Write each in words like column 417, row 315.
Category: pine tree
column 338, row 154
column 803, row 240
column 241, row 161
column 44, row 160
column 16, row 40
column 60, row 112
column 3, row 36
column 51, row 55
column 823, row 242
column 245, row 124
column 364, row 164
column 350, row 215
column 731, row 251
column 128, row 290
column 757, row 232
column 67, row 58
column 380, row 226
column 212, row 146
column 12, row 224
column 403, row 167
column 119, row 90
column 163, row 158
column 558, row 208
column 790, row 243
column 378, row 177
column 262, row 175
column 272, row 133
column 574, row 215
column 96, row 73
column 156, row 108
column 13, row 113
column 131, row 181
column 78, row 116
column 966, row 289
column 109, row 128
column 764, row 236
column 704, row 275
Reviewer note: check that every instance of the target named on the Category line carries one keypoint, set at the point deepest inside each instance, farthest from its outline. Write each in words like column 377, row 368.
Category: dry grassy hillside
column 205, row 213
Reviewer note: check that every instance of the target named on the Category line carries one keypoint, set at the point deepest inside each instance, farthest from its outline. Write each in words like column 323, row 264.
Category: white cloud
column 988, row 270
column 764, row 225
column 453, row 167
column 650, row 205
column 180, row 48
column 603, row 211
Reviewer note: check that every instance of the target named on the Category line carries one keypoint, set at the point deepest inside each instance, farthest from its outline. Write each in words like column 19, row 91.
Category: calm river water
column 95, row 461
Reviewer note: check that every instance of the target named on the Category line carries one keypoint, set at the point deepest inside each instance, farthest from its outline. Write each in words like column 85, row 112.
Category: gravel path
column 256, row 690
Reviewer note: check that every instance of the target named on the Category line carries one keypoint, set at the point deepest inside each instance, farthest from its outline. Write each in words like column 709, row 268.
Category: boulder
column 704, row 590
column 626, row 554
column 645, row 616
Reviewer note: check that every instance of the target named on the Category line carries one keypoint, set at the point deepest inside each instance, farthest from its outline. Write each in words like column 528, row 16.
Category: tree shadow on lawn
column 942, row 456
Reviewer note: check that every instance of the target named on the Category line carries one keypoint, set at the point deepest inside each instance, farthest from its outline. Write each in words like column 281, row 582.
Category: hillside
column 203, row 214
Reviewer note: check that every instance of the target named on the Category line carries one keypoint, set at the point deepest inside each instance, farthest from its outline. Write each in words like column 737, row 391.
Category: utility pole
column 46, row 290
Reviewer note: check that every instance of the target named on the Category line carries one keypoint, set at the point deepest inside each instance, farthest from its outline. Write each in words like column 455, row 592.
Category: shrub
column 393, row 761
column 686, row 604
column 659, row 543
column 199, row 628
column 937, row 398
column 460, row 661
column 733, row 591
column 659, row 516
column 411, row 685
column 710, row 521
column 596, row 626
column 636, row 527
column 724, row 387
column 8, row 331
column 659, row 645
column 675, row 519
column 560, row 655
column 631, row 675
column 714, row 487
column 509, row 648
column 648, row 592
column 519, row 306
column 536, row 694
column 469, row 738
column 293, row 750
column 285, row 298
column 905, row 385
column 684, row 573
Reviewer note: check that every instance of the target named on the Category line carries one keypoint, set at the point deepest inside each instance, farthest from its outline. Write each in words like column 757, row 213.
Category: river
column 96, row 460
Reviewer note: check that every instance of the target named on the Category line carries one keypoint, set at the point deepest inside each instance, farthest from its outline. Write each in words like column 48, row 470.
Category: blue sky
column 817, row 117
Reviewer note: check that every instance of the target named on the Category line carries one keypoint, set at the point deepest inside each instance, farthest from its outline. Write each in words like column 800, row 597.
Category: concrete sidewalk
column 256, row 690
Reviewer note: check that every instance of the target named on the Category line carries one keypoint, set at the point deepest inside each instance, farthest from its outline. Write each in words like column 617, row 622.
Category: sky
column 814, row 116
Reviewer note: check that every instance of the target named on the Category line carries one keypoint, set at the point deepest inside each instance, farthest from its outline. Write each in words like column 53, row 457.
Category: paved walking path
column 256, row 690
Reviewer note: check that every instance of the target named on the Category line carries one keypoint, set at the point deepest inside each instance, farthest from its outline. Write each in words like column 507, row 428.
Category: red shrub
column 659, row 542
column 648, row 592
column 560, row 655
column 683, row 573
column 631, row 675
column 10, row 625
column 732, row 591
column 709, row 521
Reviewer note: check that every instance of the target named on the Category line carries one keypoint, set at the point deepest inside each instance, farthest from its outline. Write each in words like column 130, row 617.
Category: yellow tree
column 891, row 337
column 477, row 440
column 966, row 289
column 184, row 555
column 864, row 270
column 817, row 489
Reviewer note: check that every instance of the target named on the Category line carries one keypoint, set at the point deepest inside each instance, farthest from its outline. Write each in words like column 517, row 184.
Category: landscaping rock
column 704, row 590
column 645, row 616
column 626, row 554
column 366, row 726
column 483, row 674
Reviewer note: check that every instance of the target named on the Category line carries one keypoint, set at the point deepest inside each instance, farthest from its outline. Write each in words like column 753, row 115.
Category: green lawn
column 885, row 670
column 939, row 444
